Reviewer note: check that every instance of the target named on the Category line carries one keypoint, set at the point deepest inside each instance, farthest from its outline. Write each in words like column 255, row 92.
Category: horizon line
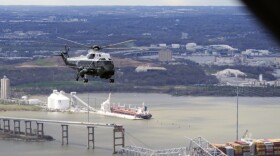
column 126, row 5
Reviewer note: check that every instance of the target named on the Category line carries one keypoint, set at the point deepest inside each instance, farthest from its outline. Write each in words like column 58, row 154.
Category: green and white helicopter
column 95, row 63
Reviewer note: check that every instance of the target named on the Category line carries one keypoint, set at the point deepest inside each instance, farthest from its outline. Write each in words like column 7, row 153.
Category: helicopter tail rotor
column 66, row 50
column 64, row 53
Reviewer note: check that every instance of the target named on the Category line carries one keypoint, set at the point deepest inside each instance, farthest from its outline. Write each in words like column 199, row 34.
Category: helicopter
column 95, row 63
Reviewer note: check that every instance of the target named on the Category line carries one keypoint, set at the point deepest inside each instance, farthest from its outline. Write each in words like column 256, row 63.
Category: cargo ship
column 140, row 112
column 124, row 111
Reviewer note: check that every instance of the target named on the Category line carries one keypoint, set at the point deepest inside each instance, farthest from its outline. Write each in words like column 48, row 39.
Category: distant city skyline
column 126, row 2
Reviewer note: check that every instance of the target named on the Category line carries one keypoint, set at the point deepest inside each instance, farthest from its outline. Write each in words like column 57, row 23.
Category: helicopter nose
column 109, row 71
column 109, row 67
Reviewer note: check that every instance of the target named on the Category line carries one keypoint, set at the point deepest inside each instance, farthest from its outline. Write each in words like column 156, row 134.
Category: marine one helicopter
column 95, row 63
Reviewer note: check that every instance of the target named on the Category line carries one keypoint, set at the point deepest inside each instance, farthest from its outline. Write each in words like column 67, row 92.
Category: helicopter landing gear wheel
column 85, row 80
column 112, row 80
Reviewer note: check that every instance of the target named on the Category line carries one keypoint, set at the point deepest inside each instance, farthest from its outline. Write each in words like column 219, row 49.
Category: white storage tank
column 51, row 99
column 58, row 100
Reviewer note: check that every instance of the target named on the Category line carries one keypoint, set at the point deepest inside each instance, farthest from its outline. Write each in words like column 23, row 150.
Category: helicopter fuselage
column 94, row 64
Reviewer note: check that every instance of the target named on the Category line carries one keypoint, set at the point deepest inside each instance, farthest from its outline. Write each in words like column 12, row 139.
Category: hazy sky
column 124, row 2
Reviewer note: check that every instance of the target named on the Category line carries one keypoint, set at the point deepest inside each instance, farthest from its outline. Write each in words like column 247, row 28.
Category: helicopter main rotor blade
column 121, row 49
column 46, row 43
column 136, row 48
column 74, row 42
column 116, row 44
column 121, row 52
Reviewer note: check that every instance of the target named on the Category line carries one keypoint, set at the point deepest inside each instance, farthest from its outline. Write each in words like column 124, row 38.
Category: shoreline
column 16, row 107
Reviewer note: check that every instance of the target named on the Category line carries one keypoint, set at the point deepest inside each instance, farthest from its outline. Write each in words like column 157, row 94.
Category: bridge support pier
column 64, row 134
column 118, row 134
column 16, row 126
column 6, row 125
column 28, row 128
column 90, row 136
column 40, row 129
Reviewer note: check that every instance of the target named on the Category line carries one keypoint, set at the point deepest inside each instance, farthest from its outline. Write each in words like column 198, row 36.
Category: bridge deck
column 105, row 125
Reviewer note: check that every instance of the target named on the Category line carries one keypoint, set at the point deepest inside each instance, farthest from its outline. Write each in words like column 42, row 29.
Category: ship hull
column 144, row 116
column 130, row 113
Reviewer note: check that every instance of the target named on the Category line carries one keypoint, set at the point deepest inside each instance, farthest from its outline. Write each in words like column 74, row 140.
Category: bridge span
column 7, row 128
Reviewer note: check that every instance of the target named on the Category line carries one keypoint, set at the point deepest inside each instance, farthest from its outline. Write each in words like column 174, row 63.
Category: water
column 174, row 118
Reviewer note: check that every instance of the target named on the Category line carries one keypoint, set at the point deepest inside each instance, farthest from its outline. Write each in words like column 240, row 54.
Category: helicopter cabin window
column 91, row 56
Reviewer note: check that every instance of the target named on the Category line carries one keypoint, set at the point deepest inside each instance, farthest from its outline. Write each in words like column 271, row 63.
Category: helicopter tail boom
column 64, row 55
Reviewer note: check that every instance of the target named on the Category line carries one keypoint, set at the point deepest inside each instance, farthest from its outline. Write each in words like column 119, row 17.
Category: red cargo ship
column 140, row 112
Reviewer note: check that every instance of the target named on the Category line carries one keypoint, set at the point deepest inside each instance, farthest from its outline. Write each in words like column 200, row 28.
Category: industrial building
column 58, row 101
column 149, row 68
column 165, row 55
column 27, row 101
column 5, row 88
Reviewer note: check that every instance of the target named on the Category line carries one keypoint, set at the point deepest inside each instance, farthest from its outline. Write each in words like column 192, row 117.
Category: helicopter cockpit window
column 91, row 56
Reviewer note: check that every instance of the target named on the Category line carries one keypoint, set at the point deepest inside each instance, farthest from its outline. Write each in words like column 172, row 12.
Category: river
column 174, row 119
